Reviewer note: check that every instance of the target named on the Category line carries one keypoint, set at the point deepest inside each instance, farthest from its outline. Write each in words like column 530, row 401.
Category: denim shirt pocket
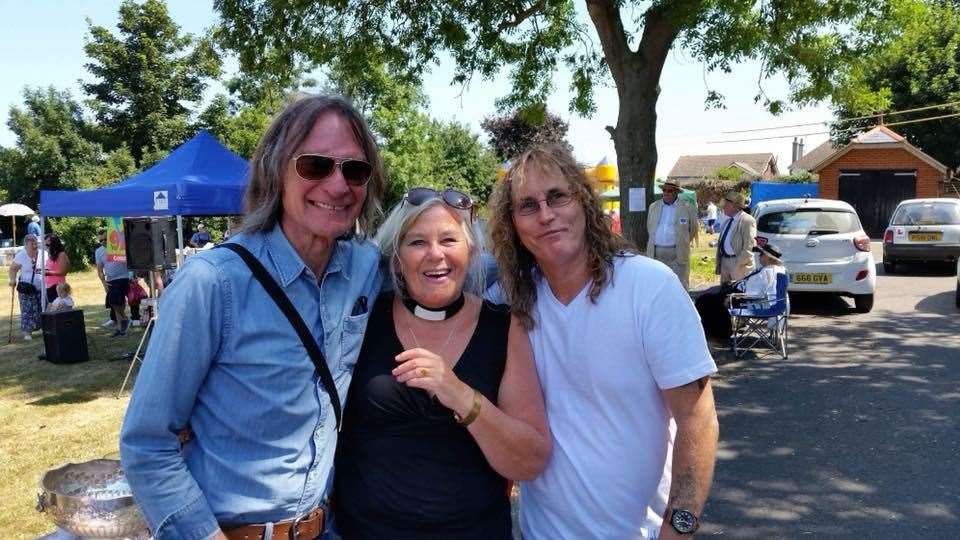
column 351, row 339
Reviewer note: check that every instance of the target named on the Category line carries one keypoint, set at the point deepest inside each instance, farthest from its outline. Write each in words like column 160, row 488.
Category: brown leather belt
column 307, row 527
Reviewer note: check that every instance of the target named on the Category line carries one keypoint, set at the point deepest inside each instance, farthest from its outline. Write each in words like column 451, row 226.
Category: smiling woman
column 444, row 386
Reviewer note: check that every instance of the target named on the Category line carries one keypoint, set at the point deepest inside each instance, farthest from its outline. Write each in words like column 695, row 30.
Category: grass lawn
column 702, row 261
column 52, row 414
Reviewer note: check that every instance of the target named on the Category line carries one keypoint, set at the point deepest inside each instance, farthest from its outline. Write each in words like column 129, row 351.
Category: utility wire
column 900, row 123
column 845, row 120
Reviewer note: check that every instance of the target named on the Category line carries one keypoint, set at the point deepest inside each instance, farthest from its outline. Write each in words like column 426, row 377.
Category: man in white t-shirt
column 621, row 357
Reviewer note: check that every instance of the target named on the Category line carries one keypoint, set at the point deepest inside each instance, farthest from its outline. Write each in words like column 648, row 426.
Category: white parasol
column 12, row 210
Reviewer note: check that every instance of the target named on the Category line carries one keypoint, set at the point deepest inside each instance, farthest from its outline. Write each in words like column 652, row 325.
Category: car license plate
column 816, row 278
column 926, row 236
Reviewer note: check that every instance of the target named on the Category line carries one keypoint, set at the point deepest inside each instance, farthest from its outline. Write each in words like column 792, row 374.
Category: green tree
column 51, row 148
column 511, row 134
column 798, row 39
column 799, row 176
column 417, row 151
column 241, row 118
column 729, row 174
column 431, row 153
column 461, row 161
column 144, row 77
column 910, row 58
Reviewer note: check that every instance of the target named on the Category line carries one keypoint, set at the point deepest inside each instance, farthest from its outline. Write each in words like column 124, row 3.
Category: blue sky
column 41, row 44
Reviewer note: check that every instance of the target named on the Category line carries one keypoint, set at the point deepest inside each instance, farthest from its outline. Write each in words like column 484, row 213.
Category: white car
column 824, row 247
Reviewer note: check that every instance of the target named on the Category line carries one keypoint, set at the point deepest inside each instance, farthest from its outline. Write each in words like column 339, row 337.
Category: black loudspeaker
column 64, row 336
column 151, row 243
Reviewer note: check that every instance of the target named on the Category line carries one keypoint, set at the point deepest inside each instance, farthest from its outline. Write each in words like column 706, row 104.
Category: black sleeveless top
column 404, row 467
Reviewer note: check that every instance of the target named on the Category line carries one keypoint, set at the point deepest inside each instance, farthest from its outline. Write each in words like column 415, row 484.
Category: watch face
column 683, row 521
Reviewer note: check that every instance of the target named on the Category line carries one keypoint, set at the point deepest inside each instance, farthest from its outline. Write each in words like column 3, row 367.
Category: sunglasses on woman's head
column 454, row 198
column 318, row 167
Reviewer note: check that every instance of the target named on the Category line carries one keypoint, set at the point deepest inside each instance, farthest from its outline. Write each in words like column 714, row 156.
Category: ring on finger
column 424, row 371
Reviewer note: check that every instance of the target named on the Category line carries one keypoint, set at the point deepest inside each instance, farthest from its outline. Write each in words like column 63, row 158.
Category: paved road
column 857, row 433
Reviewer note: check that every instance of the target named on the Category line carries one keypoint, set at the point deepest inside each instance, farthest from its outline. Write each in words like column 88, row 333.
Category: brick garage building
column 877, row 170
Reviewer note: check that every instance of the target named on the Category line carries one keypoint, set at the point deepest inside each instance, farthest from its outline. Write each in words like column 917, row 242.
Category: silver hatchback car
column 922, row 230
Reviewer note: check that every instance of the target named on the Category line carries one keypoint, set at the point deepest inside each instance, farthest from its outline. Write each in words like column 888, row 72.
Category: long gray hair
column 263, row 200
column 401, row 219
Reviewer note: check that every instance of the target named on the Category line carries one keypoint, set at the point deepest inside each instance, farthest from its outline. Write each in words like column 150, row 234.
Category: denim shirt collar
column 290, row 266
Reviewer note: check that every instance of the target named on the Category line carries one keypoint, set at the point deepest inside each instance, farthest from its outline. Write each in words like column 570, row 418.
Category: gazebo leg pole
column 179, row 241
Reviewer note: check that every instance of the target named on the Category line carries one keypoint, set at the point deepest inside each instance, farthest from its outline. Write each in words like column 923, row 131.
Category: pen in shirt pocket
column 360, row 307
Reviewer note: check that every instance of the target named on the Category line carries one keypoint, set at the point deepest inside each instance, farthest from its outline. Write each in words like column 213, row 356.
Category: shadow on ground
column 921, row 269
column 855, row 435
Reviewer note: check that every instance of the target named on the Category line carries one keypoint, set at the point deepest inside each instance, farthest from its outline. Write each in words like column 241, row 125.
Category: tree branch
column 522, row 16
column 662, row 25
column 605, row 15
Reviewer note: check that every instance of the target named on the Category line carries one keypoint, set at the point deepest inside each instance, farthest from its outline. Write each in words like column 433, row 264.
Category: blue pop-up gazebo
column 201, row 177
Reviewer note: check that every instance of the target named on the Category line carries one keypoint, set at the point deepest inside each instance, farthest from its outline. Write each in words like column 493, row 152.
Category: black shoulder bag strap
column 275, row 292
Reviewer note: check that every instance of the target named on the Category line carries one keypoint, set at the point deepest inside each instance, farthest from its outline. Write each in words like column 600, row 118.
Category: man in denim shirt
column 226, row 363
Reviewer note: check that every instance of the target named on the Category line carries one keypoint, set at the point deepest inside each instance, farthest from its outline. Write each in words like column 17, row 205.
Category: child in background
column 64, row 301
column 136, row 293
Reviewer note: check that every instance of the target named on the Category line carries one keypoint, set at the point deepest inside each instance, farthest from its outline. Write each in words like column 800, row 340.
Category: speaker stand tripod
column 153, row 304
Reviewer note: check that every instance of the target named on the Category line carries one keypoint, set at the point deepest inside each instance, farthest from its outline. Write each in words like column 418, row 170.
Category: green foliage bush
column 79, row 235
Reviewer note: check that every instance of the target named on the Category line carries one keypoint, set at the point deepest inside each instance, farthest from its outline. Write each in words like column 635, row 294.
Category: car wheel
column 889, row 267
column 958, row 294
column 863, row 302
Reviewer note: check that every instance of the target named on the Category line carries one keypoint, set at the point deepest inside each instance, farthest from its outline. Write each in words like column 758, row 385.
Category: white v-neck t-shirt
column 602, row 367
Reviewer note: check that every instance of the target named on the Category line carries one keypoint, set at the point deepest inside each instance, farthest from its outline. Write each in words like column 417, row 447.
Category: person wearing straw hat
column 761, row 284
column 672, row 226
column 737, row 239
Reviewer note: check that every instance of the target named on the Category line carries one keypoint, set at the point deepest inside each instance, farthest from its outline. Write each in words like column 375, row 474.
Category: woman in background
column 25, row 277
column 58, row 264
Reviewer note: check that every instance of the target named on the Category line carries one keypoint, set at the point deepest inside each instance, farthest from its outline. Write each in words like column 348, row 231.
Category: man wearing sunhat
column 671, row 227
column 737, row 239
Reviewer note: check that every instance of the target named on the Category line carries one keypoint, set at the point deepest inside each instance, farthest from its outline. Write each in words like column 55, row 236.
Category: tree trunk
column 637, row 76
column 635, row 139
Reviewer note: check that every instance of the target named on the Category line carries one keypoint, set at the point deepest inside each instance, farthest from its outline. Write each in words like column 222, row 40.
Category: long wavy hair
column 515, row 262
column 263, row 200
column 56, row 247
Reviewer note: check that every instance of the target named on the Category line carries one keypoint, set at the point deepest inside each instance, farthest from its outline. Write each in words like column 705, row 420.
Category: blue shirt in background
column 224, row 359
column 200, row 238
column 34, row 228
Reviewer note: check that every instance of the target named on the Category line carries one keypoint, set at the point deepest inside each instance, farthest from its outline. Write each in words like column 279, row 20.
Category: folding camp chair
column 760, row 323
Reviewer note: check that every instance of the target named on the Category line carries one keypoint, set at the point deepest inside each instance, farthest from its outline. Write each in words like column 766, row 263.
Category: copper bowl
column 91, row 499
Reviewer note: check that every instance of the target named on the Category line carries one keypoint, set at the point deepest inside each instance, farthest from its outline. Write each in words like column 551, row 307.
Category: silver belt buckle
column 294, row 534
